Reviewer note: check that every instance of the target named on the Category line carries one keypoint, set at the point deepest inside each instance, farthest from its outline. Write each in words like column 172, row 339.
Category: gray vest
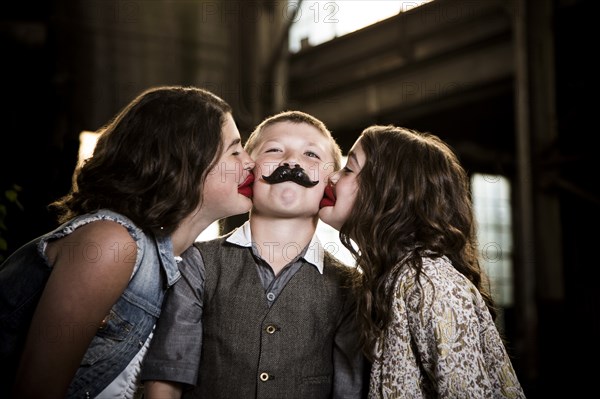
column 252, row 351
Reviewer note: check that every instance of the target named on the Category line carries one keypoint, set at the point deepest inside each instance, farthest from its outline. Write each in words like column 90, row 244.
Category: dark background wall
column 507, row 83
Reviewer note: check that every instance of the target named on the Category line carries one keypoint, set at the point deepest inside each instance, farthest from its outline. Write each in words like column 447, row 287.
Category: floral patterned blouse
column 447, row 348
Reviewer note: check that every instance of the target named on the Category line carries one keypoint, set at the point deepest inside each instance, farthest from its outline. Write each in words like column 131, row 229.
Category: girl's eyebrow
column 352, row 155
column 234, row 143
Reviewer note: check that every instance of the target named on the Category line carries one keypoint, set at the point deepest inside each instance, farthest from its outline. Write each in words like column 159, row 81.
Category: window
column 491, row 203
column 330, row 238
column 210, row 232
column 320, row 21
column 87, row 143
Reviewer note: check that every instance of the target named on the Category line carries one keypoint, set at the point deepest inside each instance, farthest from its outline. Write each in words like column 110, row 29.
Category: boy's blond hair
column 295, row 117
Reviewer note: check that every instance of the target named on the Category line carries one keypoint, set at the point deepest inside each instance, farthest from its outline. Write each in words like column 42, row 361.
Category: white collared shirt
column 314, row 255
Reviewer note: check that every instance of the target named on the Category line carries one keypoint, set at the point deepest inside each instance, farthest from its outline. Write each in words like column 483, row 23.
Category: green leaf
column 3, row 244
column 11, row 195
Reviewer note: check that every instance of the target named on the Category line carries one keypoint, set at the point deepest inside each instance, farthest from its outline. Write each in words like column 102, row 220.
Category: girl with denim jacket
column 78, row 305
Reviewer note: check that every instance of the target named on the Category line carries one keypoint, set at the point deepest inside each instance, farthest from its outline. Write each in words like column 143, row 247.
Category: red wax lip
column 246, row 187
column 328, row 197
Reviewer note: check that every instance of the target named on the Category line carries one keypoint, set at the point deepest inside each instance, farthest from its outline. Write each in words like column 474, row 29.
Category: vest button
column 264, row 376
column 271, row 297
column 270, row 329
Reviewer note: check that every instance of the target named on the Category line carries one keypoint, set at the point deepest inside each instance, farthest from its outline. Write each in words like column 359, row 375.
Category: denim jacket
column 124, row 330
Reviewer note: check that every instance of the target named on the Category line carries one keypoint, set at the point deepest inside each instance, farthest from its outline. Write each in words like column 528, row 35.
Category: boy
column 266, row 309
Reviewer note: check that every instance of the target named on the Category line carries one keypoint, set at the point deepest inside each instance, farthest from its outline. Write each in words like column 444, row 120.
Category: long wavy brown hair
column 152, row 159
column 413, row 200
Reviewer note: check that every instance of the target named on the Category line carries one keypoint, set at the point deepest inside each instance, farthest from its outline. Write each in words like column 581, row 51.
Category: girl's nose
column 334, row 177
column 247, row 162
column 249, row 165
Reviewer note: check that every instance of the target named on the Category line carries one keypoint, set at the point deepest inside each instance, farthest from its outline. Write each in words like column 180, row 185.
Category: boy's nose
column 289, row 161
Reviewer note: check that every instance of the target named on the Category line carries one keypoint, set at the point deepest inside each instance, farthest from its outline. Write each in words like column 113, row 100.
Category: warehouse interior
column 505, row 82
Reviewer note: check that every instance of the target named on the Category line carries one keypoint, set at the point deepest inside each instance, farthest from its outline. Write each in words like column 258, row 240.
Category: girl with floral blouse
column 424, row 303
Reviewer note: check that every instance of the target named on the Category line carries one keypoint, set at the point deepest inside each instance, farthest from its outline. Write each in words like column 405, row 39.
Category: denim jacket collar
column 167, row 260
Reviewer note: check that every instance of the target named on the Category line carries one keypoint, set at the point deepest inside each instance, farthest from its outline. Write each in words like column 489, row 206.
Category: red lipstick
column 246, row 187
column 328, row 197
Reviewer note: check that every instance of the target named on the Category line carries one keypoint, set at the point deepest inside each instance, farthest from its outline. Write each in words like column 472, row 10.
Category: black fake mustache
column 296, row 174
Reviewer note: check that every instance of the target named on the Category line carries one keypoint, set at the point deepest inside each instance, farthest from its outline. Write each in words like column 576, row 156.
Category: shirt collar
column 242, row 236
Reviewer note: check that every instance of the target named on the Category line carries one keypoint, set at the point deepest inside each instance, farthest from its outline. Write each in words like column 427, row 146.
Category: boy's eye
column 236, row 153
column 273, row 150
column 312, row 154
column 347, row 169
